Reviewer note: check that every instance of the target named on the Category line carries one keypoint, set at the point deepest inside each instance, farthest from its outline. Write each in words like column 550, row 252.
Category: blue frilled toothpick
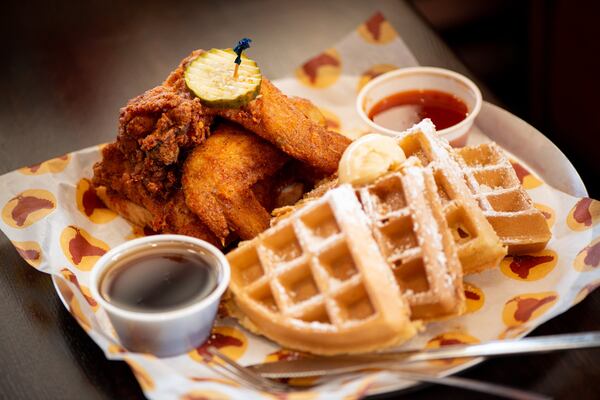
column 241, row 46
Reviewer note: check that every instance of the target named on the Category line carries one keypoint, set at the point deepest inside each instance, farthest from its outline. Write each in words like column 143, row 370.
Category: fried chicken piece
column 123, row 192
column 157, row 128
column 140, row 174
column 292, row 125
column 218, row 178
column 176, row 217
column 276, row 118
column 232, row 180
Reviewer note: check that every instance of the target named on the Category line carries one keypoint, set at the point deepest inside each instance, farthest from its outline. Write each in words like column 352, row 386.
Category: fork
column 229, row 367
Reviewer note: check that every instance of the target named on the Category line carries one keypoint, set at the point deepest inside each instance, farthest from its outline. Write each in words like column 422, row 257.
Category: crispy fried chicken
column 122, row 190
column 156, row 129
column 232, row 180
column 277, row 118
column 218, row 178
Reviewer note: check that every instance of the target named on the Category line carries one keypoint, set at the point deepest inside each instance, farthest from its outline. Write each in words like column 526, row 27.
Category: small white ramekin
column 166, row 333
column 424, row 78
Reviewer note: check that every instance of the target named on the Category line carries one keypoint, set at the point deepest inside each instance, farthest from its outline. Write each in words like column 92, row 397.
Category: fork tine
column 247, row 375
column 223, row 371
column 226, row 371
column 236, row 369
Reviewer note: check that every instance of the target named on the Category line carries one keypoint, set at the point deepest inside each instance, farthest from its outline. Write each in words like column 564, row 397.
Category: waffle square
column 504, row 202
column 479, row 246
column 412, row 233
column 317, row 281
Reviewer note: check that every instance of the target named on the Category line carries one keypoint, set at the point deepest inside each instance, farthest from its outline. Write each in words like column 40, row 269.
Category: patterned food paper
column 60, row 227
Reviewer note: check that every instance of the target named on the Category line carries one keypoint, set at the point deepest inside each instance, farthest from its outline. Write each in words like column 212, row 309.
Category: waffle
column 504, row 202
column 317, row 281
column 409, row 226
column 477, row 243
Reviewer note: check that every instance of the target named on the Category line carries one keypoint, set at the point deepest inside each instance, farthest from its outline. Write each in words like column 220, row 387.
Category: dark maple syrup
column 161, row 278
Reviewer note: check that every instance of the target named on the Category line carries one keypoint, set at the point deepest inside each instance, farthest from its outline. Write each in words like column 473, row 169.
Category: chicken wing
column 218, row 178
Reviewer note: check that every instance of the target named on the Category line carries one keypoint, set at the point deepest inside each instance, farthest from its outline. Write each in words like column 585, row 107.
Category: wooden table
column 65, row 72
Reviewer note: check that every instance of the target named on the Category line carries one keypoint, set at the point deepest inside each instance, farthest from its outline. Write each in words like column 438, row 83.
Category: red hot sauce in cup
column 402, row 110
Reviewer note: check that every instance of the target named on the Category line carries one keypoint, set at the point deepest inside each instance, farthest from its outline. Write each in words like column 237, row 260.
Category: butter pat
column 368, row 158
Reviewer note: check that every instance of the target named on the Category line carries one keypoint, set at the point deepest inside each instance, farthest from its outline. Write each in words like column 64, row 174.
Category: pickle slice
column 210, row 77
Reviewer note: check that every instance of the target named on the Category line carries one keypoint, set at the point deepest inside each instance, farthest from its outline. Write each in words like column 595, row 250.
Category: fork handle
column 501, row 347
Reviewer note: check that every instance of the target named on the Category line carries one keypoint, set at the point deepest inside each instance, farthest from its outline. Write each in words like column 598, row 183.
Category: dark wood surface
column 66, row 70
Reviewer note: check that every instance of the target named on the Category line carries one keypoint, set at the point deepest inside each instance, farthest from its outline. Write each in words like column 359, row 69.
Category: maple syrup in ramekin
column 402, row 110
column 159, row 278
